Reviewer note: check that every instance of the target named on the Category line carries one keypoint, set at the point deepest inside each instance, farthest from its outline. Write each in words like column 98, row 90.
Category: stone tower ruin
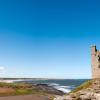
column 95, row 62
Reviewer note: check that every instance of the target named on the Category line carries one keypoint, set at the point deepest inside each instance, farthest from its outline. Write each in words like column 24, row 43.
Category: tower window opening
column 99, row 66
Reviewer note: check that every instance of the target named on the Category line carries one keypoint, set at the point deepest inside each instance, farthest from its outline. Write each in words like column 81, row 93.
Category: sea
column 65, row 85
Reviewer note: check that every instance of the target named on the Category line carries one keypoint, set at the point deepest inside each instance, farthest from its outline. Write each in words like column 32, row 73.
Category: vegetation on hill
column 15, row 88
column 8, row 89
column 84, row 85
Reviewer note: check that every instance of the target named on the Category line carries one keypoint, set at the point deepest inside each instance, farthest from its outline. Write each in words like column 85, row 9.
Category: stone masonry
column 95, row 62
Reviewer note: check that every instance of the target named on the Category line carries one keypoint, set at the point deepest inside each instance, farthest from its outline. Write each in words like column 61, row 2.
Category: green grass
column 22, row 89
column 15, row 85
column 84, row 85
column 18, row 88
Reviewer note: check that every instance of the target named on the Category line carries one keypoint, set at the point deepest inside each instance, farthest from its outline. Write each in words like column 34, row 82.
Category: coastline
column 48, row 91
column 89, row 90
column 24, row 91
column 64, row 85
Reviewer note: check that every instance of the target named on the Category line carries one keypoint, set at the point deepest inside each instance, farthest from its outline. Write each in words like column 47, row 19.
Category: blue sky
column 48, row 38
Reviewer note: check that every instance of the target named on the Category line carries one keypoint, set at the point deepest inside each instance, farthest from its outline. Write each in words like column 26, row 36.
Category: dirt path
column 24, row 97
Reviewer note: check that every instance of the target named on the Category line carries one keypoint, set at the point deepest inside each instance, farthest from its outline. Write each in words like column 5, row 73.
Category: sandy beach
column 24, row 97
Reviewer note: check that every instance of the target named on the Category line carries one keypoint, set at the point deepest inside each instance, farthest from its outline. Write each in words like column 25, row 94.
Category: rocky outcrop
column 48, row 89
column 92, row 92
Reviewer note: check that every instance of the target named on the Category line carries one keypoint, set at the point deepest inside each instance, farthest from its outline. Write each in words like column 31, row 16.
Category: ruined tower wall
column 95, row 62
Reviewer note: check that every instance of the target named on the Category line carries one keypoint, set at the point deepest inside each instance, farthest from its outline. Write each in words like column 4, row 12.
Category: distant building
column 95, row 62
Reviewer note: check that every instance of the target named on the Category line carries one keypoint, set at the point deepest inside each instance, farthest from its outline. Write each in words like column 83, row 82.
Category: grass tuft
column 84, row 85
